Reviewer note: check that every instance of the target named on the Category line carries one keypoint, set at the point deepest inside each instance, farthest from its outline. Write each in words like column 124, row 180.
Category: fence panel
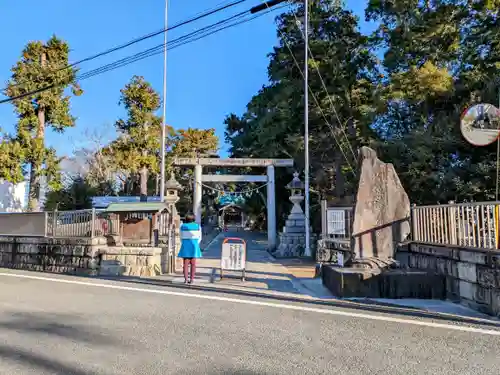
column 463, row 224
column 70, row 223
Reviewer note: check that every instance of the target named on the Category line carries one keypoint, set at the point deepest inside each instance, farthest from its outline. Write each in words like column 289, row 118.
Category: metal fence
column 68, row 224
column 462, row 224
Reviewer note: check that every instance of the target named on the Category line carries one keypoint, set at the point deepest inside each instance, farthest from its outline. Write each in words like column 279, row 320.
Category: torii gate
column 270, row 164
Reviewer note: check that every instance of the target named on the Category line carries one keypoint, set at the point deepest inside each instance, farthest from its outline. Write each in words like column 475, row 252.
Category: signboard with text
column 336, row 222
column 233, row 256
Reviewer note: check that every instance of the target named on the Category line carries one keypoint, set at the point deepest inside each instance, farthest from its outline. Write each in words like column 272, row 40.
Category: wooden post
column 92, row 227
column 452, row 224
column 414, row 227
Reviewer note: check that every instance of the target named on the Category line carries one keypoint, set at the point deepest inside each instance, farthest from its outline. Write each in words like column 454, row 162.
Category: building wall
column 13, row 198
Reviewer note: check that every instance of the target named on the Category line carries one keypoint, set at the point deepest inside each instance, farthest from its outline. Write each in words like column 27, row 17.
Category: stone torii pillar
column 198, row 192
column 271, row 208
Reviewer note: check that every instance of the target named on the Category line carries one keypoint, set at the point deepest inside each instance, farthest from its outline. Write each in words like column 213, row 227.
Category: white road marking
column 265, row 304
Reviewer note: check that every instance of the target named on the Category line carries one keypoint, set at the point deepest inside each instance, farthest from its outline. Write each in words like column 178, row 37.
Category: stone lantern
column 292, row 239
column 296, row 188
column 172, row 188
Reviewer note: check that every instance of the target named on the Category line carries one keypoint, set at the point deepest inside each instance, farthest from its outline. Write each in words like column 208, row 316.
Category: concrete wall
column 472, row 275
column 83, row 256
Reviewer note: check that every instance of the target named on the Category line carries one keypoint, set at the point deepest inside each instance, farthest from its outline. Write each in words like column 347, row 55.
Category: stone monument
column 381, row 222
column 382, row 209
column 293, row 238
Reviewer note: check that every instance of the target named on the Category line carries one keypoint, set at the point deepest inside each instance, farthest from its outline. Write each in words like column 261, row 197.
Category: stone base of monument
column 376, row 283
column 292, row 241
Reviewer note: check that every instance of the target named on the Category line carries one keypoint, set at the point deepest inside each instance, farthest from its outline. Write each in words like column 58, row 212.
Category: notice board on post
column 233, row 256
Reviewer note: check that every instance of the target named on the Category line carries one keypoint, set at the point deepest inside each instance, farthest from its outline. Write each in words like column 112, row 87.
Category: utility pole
column 498, row 143
column 164, row 118
column 306, row 128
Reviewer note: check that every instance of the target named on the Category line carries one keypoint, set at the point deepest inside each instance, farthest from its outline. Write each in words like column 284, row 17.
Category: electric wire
column 175, row 43
column 222, row 6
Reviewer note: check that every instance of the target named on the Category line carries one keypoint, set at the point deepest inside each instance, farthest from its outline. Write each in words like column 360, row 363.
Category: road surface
column 52, row 324
column 481, row 137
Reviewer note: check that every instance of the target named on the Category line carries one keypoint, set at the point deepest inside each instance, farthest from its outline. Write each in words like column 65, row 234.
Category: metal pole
column 164, row 120
column 306, row 126
column 498, row 151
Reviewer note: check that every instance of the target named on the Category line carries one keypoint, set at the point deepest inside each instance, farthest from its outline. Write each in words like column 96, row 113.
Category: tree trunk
column 143, row 176
column 37, row 162
column 34, row 190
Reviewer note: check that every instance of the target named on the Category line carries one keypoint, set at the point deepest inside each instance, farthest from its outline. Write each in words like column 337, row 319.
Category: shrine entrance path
column 263, row 272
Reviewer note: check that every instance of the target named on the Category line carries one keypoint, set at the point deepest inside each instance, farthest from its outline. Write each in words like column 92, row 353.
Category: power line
column 192, row 19
column 157, row 49
column 185, row 39
column 179, row 42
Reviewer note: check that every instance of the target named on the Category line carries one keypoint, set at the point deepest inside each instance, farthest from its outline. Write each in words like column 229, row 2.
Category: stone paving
column 264, row 273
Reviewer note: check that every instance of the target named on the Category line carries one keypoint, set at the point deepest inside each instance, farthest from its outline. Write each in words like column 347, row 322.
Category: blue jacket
column 190, row 241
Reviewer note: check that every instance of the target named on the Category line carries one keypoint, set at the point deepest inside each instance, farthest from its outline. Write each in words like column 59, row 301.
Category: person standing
column 190, row 247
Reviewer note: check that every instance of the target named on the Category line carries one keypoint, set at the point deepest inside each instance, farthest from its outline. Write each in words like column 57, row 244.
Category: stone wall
column 76, row 256
column 472, row 275
column 84, row 256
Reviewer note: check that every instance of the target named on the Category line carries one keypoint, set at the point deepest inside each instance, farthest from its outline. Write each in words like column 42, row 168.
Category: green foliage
column 11, row 156
column 194, row 142
column 76, row 196
column 339, row 122
column 442, row 57
column 137, row 149
column 41, row 65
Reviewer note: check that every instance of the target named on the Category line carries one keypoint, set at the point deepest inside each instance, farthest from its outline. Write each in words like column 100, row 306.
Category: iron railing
column 71, row 224
column 462, row 224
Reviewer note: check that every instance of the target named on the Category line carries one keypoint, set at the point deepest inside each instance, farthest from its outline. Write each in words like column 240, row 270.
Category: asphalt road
column 66, row 325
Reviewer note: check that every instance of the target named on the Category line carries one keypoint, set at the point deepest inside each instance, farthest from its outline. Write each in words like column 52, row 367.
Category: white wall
column 13, row 198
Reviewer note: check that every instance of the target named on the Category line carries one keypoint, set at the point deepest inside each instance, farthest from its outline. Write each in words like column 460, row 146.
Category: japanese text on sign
column 336, row 222
column 233, row 256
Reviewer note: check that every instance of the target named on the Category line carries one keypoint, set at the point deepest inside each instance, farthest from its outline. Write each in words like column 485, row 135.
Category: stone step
column 111, row 268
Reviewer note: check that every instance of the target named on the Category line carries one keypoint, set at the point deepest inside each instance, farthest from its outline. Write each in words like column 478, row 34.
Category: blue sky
column 207, row 79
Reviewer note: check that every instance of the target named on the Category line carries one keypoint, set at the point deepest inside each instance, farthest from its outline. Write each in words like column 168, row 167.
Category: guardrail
column 462, row 224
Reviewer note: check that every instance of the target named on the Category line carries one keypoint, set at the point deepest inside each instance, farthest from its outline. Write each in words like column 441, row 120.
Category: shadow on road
column 40, row 326
column 42, row 364
column 60, row 325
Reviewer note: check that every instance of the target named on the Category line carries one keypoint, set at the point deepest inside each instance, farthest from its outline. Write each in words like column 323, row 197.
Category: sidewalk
column 264, row 273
